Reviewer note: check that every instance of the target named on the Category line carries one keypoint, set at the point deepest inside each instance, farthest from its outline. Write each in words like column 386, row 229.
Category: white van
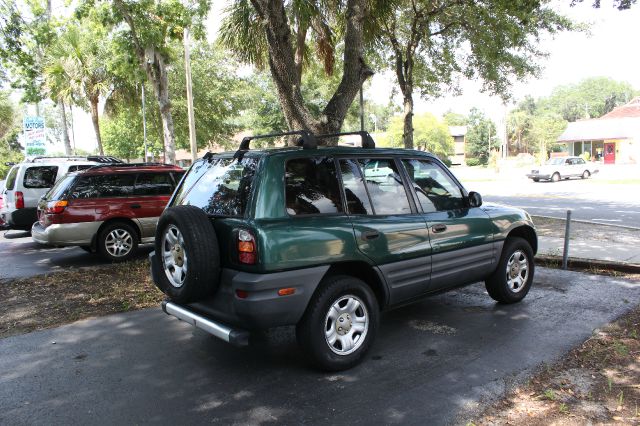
column 28, row 181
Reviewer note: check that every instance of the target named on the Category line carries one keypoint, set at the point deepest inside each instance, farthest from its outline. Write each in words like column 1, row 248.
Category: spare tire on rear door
column 187, row 253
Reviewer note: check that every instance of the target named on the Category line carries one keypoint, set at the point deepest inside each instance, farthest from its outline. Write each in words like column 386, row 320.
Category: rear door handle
column 370, row 235
column 135, row 206
column 441, row 227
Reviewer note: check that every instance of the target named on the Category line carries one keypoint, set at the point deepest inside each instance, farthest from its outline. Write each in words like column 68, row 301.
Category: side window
column 40, row 177
column 11, row 179
column 580, row 161
column 154, row 184
column 354, row 189
column 104, row 186
column 311, row 187
column 436, row 190
column 385, row 186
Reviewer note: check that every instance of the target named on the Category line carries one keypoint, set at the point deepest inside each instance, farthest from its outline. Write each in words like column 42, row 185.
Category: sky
column 609, row 50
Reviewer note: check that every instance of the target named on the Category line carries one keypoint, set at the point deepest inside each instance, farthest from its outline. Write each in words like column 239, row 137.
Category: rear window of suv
column 40, row 177
column 220, row 187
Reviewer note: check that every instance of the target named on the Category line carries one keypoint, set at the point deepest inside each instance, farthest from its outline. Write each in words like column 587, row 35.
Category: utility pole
column 192, row 124
column 144, row 125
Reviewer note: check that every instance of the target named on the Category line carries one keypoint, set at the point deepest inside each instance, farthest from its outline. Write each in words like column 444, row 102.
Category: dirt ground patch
column 51, row 300
column 596, row 383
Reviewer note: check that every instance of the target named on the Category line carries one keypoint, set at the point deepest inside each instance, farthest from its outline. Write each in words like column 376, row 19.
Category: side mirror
column 475, row 199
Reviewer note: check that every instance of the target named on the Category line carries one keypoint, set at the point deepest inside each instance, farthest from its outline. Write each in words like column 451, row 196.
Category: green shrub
column 473, row 162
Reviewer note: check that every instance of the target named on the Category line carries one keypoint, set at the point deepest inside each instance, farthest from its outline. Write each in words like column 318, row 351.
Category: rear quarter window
column 11, row 179
column 154, row 184
column 40, row 177
column 311, row 187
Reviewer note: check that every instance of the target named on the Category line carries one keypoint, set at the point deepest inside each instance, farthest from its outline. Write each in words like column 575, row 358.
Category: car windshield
column 220, row 187
column 555, row 161
column 59, row 190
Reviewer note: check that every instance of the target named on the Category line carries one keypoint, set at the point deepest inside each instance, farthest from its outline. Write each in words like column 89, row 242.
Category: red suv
column 108, row 209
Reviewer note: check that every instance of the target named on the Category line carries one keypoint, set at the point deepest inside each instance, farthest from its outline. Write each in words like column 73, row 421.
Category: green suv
column 324, row 238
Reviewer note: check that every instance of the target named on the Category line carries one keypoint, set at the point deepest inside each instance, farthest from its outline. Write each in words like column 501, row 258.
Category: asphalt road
column 20, row 256
column 435, row 362
column 606, row 212
column 587, row 199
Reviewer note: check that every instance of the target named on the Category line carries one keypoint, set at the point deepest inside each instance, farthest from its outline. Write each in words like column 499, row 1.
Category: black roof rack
column 95, row 158
column 122, row 164
column 307, row 140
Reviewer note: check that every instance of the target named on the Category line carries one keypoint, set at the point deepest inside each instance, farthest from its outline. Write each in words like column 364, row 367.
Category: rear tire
column 512, row 279
column 536, row 180
column 118, row 241
column 187, row 252
column 586, row 174
column 340, row 323
column 555, row 177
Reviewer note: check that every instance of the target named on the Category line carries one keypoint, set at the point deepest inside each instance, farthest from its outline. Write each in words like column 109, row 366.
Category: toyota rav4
column 324, row 238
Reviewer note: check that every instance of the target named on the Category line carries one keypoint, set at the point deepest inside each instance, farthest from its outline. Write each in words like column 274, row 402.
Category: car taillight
column 246, row 247
column 56, row 207
column 19, row 200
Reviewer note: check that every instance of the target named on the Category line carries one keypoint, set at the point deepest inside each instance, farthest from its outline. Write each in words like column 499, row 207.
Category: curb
column 633, row 268
column 589, row 222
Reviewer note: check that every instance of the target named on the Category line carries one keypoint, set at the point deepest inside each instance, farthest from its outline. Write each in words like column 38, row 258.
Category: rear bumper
column 65, row 234
column 20, row 218
column 262, row 308
column 538, row 176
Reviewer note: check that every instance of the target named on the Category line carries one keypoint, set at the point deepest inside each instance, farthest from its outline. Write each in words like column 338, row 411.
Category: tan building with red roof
column 612, row 138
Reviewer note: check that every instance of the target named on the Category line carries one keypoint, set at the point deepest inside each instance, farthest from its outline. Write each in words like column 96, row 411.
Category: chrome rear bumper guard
column 234, row 336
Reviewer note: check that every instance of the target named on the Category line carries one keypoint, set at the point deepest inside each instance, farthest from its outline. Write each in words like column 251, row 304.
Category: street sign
column 34, row 133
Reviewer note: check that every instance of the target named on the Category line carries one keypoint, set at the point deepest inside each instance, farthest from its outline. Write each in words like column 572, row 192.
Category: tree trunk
column 96, row 124
column 282, row 61
column 153, row 62
column 407, row 117
column 65, row 130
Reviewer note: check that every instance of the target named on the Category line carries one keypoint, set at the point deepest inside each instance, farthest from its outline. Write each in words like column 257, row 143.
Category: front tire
column 536, row 180
column 117, row 242
column 340, row 323
column 511, row 281
column 555, row 177
column 586, row 174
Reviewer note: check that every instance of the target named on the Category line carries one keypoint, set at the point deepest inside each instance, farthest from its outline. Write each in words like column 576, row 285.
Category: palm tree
column 77, row 70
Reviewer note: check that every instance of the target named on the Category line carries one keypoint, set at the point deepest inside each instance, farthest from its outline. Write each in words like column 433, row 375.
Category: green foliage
column 454, row 119
column 10, row 149
column 217, row 97
column 430, row 134
column 472, row 162
column 122, row 134
column 481, row 136
column 261, row 112
column 590, row 98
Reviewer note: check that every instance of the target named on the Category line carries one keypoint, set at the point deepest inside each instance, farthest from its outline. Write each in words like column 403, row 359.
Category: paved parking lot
column 20, row 256
column 433, row 363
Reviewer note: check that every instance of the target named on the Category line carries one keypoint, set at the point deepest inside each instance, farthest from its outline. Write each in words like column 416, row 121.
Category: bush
column 586, row 156
column 473, row 162
column 445, row 160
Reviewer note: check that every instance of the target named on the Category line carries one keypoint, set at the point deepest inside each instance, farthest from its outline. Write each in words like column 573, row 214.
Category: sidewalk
column 589, row 241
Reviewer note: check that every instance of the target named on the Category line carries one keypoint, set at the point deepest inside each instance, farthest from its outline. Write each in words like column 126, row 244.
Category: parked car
column 108, row 209
column 563, row 168
column 320, row 239
column 28, row 181
column 3, row 225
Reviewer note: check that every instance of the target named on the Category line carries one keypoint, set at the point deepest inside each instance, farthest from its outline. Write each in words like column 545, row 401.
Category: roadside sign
column 34, row 133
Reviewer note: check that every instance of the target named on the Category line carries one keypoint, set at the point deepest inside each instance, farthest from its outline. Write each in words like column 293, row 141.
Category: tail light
column 247, row 252
column 56, row 207
column 19, row 200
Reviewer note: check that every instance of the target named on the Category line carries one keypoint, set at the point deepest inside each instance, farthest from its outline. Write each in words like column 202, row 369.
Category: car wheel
column 118, row 241
column 536, row 180
column 586, row 174
column 187, row 250
column 555, row 177
column 512, row 279
column 340, row 323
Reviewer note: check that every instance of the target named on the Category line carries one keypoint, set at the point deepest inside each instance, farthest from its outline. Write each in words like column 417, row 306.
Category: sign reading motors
column 34, row 136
